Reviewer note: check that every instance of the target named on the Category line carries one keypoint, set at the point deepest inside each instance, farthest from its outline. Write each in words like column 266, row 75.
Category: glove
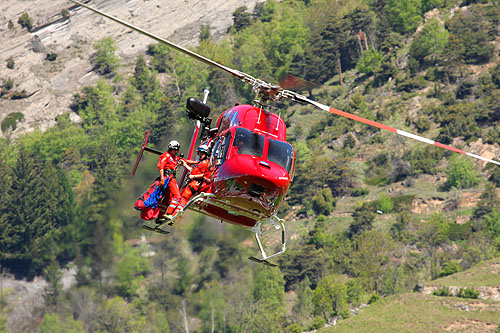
column 162, row 182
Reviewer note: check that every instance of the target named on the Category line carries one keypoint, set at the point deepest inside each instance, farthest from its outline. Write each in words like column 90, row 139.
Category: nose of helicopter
column 255, row 181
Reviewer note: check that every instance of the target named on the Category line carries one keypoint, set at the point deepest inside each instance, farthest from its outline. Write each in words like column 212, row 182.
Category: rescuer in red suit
column 167, row 166
column 199, row 179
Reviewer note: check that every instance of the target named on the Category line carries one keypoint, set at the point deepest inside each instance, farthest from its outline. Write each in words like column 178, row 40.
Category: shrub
column 385, row 204
column 374, row 298
column 51, row 56
column 444, row 291
column 10, row 122
column 323, row 201
column 358, row 192
column 10, row 25
column 25, row 21
column 370, row 62
column 468, row 293
column 461, row 173
column 105, row 59
column 10, row 63
column 318, row 322
column 65, row 13
column 451, row 267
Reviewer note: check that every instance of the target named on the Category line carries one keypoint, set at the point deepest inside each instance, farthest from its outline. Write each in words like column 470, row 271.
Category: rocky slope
column 51, row 84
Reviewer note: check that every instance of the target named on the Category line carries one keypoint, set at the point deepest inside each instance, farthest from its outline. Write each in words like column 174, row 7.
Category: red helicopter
column 249, row 182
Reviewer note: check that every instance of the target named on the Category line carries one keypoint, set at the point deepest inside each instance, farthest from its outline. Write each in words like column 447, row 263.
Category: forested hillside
column 369, row 214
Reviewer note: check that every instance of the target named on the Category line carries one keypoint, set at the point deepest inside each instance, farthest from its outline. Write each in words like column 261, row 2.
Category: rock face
column 50, row 85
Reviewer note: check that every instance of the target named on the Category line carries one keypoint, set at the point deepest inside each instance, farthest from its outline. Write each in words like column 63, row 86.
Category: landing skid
column 277, row 223
column 155, row 227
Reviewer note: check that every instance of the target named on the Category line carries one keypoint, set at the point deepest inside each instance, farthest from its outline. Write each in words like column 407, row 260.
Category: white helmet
column 174, row 145
column 203, row 149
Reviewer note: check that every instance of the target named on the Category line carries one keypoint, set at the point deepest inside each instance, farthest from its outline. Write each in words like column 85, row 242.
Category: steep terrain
column 50, row 85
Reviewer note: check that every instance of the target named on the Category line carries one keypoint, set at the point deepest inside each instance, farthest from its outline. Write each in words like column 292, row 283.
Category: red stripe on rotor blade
column 362, row 120
column 449, row 148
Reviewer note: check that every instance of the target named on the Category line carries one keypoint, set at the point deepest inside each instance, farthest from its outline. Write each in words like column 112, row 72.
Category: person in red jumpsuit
column 167, row 166
column 199, row 178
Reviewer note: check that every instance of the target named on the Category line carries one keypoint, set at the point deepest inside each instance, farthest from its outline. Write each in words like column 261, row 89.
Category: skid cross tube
column 258, row 232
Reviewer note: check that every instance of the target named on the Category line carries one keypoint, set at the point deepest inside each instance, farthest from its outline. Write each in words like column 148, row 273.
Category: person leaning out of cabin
column 167, row 166
column 199, row 178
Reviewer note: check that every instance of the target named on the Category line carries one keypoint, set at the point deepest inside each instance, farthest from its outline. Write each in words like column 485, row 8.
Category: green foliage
column 404, row 16
column 241, row 18
column 303, row 306
column 51, row 57
column 323, row 201
column 373, row 298
column 371, row 257
column 444, row 291
column 468, row 293
column 10, row 122
column 10, row 25
column 363, row 216
column 25, row 21
column 471, row 32
column 116, row 315
column 370, row 62
column 318, row 322
column 330, row 297
column 105, row 60
column 65, row 13
column 386, row 205
column 10, row 63
column 451, row 267
column 429, row 42
column 33, row 230
column 461, row 173
column 204, row 33
column 269, row 297
column 130, row 272
column 52, row 323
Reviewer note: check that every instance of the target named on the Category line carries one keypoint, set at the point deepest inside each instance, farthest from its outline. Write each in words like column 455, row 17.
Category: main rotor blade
column 164, row 41
column 391, row 129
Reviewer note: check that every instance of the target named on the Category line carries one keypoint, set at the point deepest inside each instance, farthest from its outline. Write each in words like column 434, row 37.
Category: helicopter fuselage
column 252, row 166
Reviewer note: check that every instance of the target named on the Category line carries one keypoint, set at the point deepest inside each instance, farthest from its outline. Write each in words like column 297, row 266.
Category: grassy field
column 415, row 312
column 485, row 274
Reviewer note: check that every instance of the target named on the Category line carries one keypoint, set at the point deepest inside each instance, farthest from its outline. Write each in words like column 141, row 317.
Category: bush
column 65, row 13
column 370, row 62
column 358, row 192
column 385, row 204
column 468, row 293
column 323, row 201
column 461, row 173
column 444, row 291
column 10, row 122
column 450, row 268
column 318, row 322
column 10, row 25
column 374, row 298
column 105, row 59
column 10, row 63
column 25, row 21
column 51, row 56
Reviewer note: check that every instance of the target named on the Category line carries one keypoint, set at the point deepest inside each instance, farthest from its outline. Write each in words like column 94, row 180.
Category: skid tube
column 277, row 223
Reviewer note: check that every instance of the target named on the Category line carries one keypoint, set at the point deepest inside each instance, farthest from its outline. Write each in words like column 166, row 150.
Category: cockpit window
column 247, row 142
column 280, row 153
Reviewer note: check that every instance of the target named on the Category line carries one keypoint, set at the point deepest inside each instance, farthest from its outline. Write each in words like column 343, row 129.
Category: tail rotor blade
column 393, row 130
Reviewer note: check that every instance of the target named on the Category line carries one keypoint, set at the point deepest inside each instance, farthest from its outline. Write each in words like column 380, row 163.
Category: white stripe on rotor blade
column 482, row 158
column 415, row 137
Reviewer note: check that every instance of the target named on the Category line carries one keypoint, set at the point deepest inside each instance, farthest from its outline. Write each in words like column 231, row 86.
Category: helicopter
column 250, row 182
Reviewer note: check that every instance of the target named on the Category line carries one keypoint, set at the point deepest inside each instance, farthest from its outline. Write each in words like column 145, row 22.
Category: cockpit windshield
column 280, row 153
column 248, row 142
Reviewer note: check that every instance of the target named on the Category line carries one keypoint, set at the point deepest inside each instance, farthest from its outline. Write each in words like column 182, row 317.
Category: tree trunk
column 340, row 72
column 184, row 315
